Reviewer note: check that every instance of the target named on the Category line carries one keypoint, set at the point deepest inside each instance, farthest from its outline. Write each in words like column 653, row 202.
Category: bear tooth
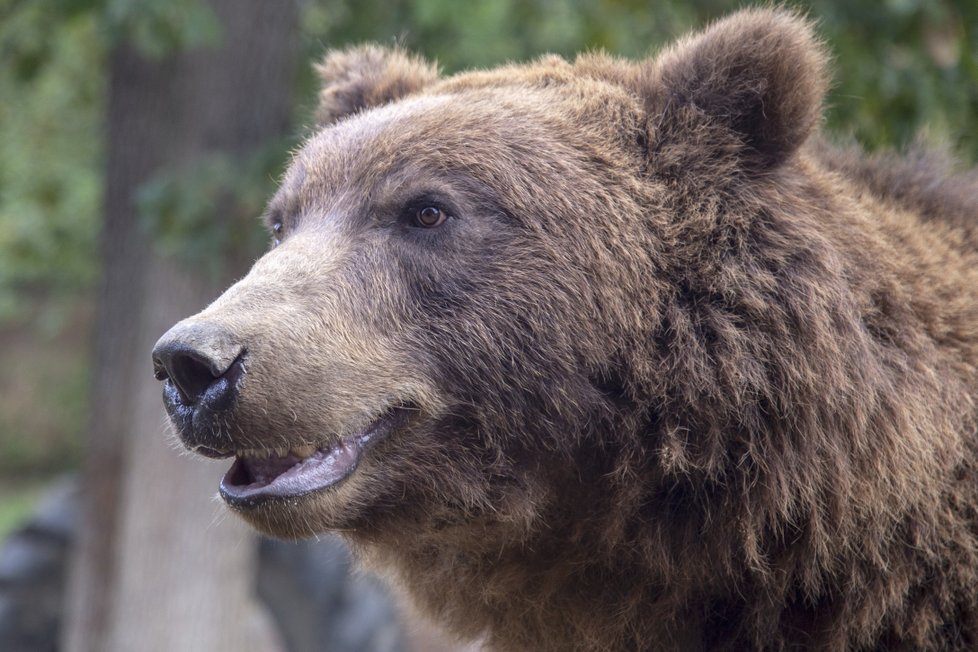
column 303, row 451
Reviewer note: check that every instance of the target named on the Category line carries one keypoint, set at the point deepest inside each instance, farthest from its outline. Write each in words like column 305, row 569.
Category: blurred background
column 139, row 140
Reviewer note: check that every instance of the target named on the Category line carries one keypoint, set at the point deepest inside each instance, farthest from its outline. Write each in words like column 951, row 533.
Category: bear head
column 475, row 308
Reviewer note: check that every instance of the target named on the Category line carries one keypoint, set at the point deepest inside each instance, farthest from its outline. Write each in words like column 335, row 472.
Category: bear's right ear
column 368, row 76
column 747, row 90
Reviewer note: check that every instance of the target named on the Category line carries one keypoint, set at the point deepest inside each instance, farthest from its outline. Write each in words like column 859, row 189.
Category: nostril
column 202, row 361
column 190, row 374
column 159, row 369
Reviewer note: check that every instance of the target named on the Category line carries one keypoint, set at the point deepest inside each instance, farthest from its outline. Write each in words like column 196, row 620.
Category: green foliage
column 27, row 30
column 205, row 212
column 902, row 66
column 17, row 501
column 50, row 172
column 160, row 27
column 463, row 35
column 51, row 151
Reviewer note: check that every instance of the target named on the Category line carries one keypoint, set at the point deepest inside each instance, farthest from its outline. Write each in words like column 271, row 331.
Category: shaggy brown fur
column 683, row 376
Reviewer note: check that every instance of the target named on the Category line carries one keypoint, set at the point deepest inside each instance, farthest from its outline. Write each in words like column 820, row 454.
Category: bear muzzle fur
column 217, row 367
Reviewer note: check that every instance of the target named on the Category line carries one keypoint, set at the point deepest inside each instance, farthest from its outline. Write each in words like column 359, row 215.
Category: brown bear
column 611, row 355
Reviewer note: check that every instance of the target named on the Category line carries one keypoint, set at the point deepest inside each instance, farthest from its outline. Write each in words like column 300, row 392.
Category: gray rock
column 32, row 576
column 318, row 603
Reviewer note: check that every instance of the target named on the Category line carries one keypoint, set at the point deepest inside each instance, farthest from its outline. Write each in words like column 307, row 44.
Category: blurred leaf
column 160, row 27
column 206, row 212
column 50, row 156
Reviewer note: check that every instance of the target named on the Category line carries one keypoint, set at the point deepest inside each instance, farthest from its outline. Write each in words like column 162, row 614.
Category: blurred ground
column 17, row 499
column 43, row 400
column 308, row 587
column 43, row 383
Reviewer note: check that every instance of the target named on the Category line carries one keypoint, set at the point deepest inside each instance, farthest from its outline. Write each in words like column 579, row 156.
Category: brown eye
column 429, row 217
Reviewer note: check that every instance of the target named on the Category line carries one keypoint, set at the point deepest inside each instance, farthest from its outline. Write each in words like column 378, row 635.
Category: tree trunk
column 158, row 566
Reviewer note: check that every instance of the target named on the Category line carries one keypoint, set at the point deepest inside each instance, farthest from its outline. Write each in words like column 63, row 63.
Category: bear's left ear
column 750, row 85
column 367, row 76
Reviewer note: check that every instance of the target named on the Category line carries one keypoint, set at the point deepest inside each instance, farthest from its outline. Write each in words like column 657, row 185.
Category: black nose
column 202, row 360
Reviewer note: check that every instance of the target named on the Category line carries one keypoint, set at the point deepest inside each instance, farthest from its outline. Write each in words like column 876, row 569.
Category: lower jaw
column 294, row 519
column 324, row 470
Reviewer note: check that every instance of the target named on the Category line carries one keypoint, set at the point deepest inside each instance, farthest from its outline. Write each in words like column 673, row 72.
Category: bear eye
column 429, row 217
column 277, row 238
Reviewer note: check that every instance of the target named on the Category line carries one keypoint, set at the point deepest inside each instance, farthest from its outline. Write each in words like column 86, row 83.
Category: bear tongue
column 265, row 470
column 289, row 476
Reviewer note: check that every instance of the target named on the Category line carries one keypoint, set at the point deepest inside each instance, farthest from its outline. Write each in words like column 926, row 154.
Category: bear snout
column 202, row 365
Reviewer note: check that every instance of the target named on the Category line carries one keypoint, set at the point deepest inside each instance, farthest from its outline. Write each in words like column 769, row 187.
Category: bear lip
column 257, row 476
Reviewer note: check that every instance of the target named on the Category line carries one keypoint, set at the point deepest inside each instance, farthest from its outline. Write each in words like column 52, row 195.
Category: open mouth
column 260, row 474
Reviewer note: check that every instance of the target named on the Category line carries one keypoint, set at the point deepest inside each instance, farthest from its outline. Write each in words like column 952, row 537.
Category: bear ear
column 368, row 76
column 752, row 83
